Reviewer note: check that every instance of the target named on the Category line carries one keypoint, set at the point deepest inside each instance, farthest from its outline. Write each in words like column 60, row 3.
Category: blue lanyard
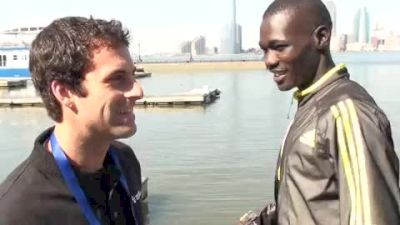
column 73, row 184
column 132, row 199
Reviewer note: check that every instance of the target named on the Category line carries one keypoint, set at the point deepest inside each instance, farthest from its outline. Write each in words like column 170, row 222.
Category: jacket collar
column 42, row 159
column 326, row 79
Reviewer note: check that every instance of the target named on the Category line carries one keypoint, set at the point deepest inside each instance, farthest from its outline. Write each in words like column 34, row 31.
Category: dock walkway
column 193, row 97
column 11, row 83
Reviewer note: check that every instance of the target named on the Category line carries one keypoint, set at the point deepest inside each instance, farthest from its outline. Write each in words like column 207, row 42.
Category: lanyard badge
column 73, row 184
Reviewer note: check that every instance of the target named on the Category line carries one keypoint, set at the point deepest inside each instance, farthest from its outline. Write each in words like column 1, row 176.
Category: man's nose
column 270, row 59
column 136, row 92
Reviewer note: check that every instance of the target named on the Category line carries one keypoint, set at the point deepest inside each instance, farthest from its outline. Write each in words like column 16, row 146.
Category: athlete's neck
column 85, row 151
column 326, row 63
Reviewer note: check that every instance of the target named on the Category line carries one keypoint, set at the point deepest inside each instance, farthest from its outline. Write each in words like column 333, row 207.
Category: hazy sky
column 161, row 25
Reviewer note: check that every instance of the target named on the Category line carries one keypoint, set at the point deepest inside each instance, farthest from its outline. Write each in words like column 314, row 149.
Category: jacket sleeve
column 367, row 165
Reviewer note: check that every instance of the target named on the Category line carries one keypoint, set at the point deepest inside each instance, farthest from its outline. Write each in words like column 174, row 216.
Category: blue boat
column 14, row 63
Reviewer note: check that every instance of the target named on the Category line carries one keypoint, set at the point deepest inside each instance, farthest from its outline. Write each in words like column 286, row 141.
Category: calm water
column 208, row 165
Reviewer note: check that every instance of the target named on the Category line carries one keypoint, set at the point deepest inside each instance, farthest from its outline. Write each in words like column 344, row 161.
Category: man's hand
column 248, row 218
column 266, row 217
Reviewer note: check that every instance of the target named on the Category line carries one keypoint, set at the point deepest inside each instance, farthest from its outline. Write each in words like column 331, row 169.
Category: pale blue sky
column 160, row 25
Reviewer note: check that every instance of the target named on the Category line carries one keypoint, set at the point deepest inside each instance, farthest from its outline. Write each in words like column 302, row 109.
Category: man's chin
column 124, row 132
column 284, row 87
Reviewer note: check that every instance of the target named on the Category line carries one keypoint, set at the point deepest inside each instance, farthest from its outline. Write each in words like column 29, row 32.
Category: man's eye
column 280, row 47
column 118, row 77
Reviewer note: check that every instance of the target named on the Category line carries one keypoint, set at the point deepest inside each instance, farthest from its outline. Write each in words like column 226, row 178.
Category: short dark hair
column 321, row 13
column 63, row 51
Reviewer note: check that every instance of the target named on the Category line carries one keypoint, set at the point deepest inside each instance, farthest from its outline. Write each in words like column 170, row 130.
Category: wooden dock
column 142, row 74
column 20, row 101
column 194, row 97
column 7, row 83
column 186, row 98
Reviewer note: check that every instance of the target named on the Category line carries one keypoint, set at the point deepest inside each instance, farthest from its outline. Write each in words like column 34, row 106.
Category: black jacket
column 35, row 193
column 337, row 163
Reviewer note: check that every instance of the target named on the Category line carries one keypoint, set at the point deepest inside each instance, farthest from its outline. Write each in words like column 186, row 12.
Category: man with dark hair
column 77, row 173
column 337, row 163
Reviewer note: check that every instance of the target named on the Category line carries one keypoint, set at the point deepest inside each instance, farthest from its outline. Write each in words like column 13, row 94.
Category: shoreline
column 157, row 68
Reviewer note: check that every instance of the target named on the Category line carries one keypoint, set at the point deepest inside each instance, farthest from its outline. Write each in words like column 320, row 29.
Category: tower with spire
column 231, row 41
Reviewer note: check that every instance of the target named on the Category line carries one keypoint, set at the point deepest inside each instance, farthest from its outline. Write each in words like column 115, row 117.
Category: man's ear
column 63, row 94
column 322, row 37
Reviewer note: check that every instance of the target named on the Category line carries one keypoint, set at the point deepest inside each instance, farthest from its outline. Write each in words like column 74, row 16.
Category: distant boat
column 14, row 52
column 140, row 72
column 14, row 63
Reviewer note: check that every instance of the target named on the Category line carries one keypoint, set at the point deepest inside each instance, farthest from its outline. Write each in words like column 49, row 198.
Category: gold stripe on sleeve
column 362, row 162
column 346, row 162
column 353, row 158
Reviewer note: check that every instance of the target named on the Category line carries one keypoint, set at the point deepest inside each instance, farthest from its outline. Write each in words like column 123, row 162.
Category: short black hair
column 317, row 7
column 63, row 51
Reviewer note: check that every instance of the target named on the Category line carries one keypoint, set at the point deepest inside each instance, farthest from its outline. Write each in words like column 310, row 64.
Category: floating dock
column 11, row 83
column 20, row 101
column 193, row 97
column 142, row 74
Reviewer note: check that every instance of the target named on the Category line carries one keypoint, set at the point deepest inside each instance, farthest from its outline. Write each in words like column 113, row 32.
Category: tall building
column 185, row 47
column 231, row 35
column 342, row 42
column 233, row 24
column 231, row 44
column 361, row 29
column 238, row 46
column 195, row 47
column 226, row 44
column 330, row 5
column 198, row 46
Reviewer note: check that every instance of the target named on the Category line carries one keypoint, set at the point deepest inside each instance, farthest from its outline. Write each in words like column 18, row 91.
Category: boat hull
column 14, row 73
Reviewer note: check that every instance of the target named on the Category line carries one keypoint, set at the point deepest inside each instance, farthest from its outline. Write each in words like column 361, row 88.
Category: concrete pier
column 7, row 83
column 188, row 98
column 193, row 97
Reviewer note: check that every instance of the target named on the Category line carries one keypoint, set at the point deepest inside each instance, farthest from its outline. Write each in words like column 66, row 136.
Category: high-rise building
column 231, row 44
column 361, row 29
column 342, row 42
column 185, row 47
column 330, row 5
column 195, row 47
column 238, row 45
column 231, row 38
column 199, row 45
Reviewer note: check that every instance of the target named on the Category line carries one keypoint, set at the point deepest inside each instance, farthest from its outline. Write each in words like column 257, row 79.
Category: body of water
column 208, row 165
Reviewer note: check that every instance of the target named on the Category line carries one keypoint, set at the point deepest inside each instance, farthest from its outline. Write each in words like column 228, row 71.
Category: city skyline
column 160, row 26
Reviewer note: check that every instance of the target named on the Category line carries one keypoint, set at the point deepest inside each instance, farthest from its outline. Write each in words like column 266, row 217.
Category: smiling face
column 289, row 52
column 106, row 109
